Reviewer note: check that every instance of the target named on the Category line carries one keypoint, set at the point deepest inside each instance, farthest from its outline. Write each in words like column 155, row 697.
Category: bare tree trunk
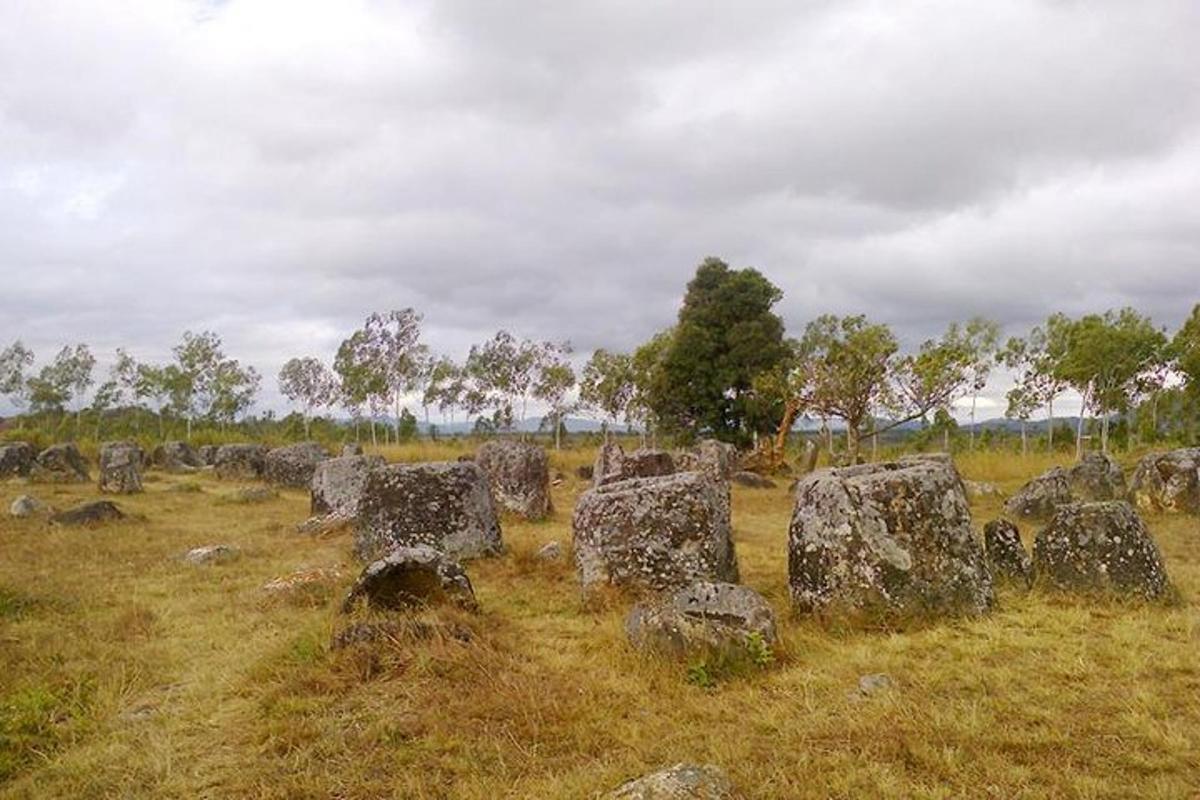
column 851, row 444
column 974, row 395
column 874, row 446
column 1050, row 430
column 1024, row 441
column 1079, row 427
column 189, row 427
column 790, row 411
column 1104, row 434
column 945, row 440
column 374, row 441
column 557, row 432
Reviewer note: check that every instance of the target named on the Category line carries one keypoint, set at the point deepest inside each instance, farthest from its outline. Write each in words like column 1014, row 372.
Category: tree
column 1105, row 359
column 607, row 385
column 308, row 382
column 190, row 384
column 14, row 360
column 981, row 338
column 232, row 391
column 382, row 362
column 1184, row 354
column 360, row 382
column 64, row 379
column 502, row 372
column 725, row 337
column 445, row 386
column 1021, row 405
column 1034, row 362
column 647, row 365
column 553, row 382
column 851, row 369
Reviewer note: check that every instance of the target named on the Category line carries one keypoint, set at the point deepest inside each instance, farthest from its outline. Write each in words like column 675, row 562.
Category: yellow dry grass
column 125, row 672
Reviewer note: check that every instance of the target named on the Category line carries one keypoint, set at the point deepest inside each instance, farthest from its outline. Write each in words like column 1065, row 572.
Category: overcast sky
column 275, row 170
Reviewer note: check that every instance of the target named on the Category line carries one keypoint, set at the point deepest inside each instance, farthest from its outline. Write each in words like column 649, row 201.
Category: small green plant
column 698, row 674
column 759, row 651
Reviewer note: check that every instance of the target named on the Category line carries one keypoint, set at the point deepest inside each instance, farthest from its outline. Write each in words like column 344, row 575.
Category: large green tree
column 726, row 337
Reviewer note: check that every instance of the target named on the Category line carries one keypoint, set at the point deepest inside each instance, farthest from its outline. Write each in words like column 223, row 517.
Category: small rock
column 28, row 506
column 324, row 524
column 701, row 616
column 121, row 468
column 981, row 489
column 409, row 577
column 680, row 782
column 1005, row 552
column 16, row 459
column 874, row 683
column 255, row 494
column 303, row 579
column 752, row 480
column 212, row 554
column 89, row 514
column 551, row 551
column 352, row 449
column 60, row 463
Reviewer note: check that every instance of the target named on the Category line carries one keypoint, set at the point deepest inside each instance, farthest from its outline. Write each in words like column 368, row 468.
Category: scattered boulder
column 654, row 533
column 352, row 449
column 293, row 466
column 28, row 506
column 255, row 494
column 338, row 484
column 1096, row 477
column 752, row 480
column 93, row 513
column 892, row 538
column 518, row 476
column 121, row 468
column 717, row 459
column 614, row 464
column 60, row 463
column 240, row 462
column 1005, row 552
column 982, row 489
column 1100, row 546
column 207, row 454
column 412, row 577
column 680, row 782
column 445, row 505
column 550, row 551
column 16, row 459
column 872, row 684
column 177, row 456
column 324, row 524
column 1168, row 482
column 211, row 554
column 701, row 616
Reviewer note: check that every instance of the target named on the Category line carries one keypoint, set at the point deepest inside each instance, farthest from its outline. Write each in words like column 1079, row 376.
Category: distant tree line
column 726, row 369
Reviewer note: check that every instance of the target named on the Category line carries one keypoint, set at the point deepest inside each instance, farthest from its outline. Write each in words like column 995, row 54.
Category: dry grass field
column 126, row 672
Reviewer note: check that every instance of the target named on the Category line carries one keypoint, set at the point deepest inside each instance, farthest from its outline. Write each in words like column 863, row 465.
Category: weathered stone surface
column 614, row 464
column 255, row 494
column 445, row 505
column 717, row 459
column 1168, row 482
column 654, row 533
column 1005, row 552
column 1096, row 477
column 121, row 468
column 411, row 577
column 92, row 513
column 60, row 463
column 212, row 554
column 338, row 484
column 518, row 476
column 1100, row 546
column 293, row 465
column 701, row 616
column 981, row 489
column 313, row 583
column 28, row 506
column 585, row 471
column 352, row 449
column 893, row 537
column 240, row 461
column 16, row 459
column 752, row 480
column 177, row 456
column 207, row 453
column 680, row 782
column 872, row 684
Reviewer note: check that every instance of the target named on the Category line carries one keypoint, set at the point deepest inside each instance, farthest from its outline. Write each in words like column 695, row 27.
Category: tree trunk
column 1079, row 427
column 945, row 440
column 874, row 446
column 1050, row 430
column 790, row 411
column 1024, row 441
column 1104, row 434
column 374, row 440
column 557, row 432
column 974, row 395
column 851, row 444
column 189, row 427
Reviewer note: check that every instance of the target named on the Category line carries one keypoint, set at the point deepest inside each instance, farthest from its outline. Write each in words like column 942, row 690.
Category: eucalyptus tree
column 553, row 382
column 445, row 387
column 360, row 382
column 981, row 338
column 65, row 379
column 309, row 383
column 14, row 360
column 1106, row 358
column 384, row 360
column 1033, row 361
column 232, row 391
column 502, row 372
column 608, row 386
